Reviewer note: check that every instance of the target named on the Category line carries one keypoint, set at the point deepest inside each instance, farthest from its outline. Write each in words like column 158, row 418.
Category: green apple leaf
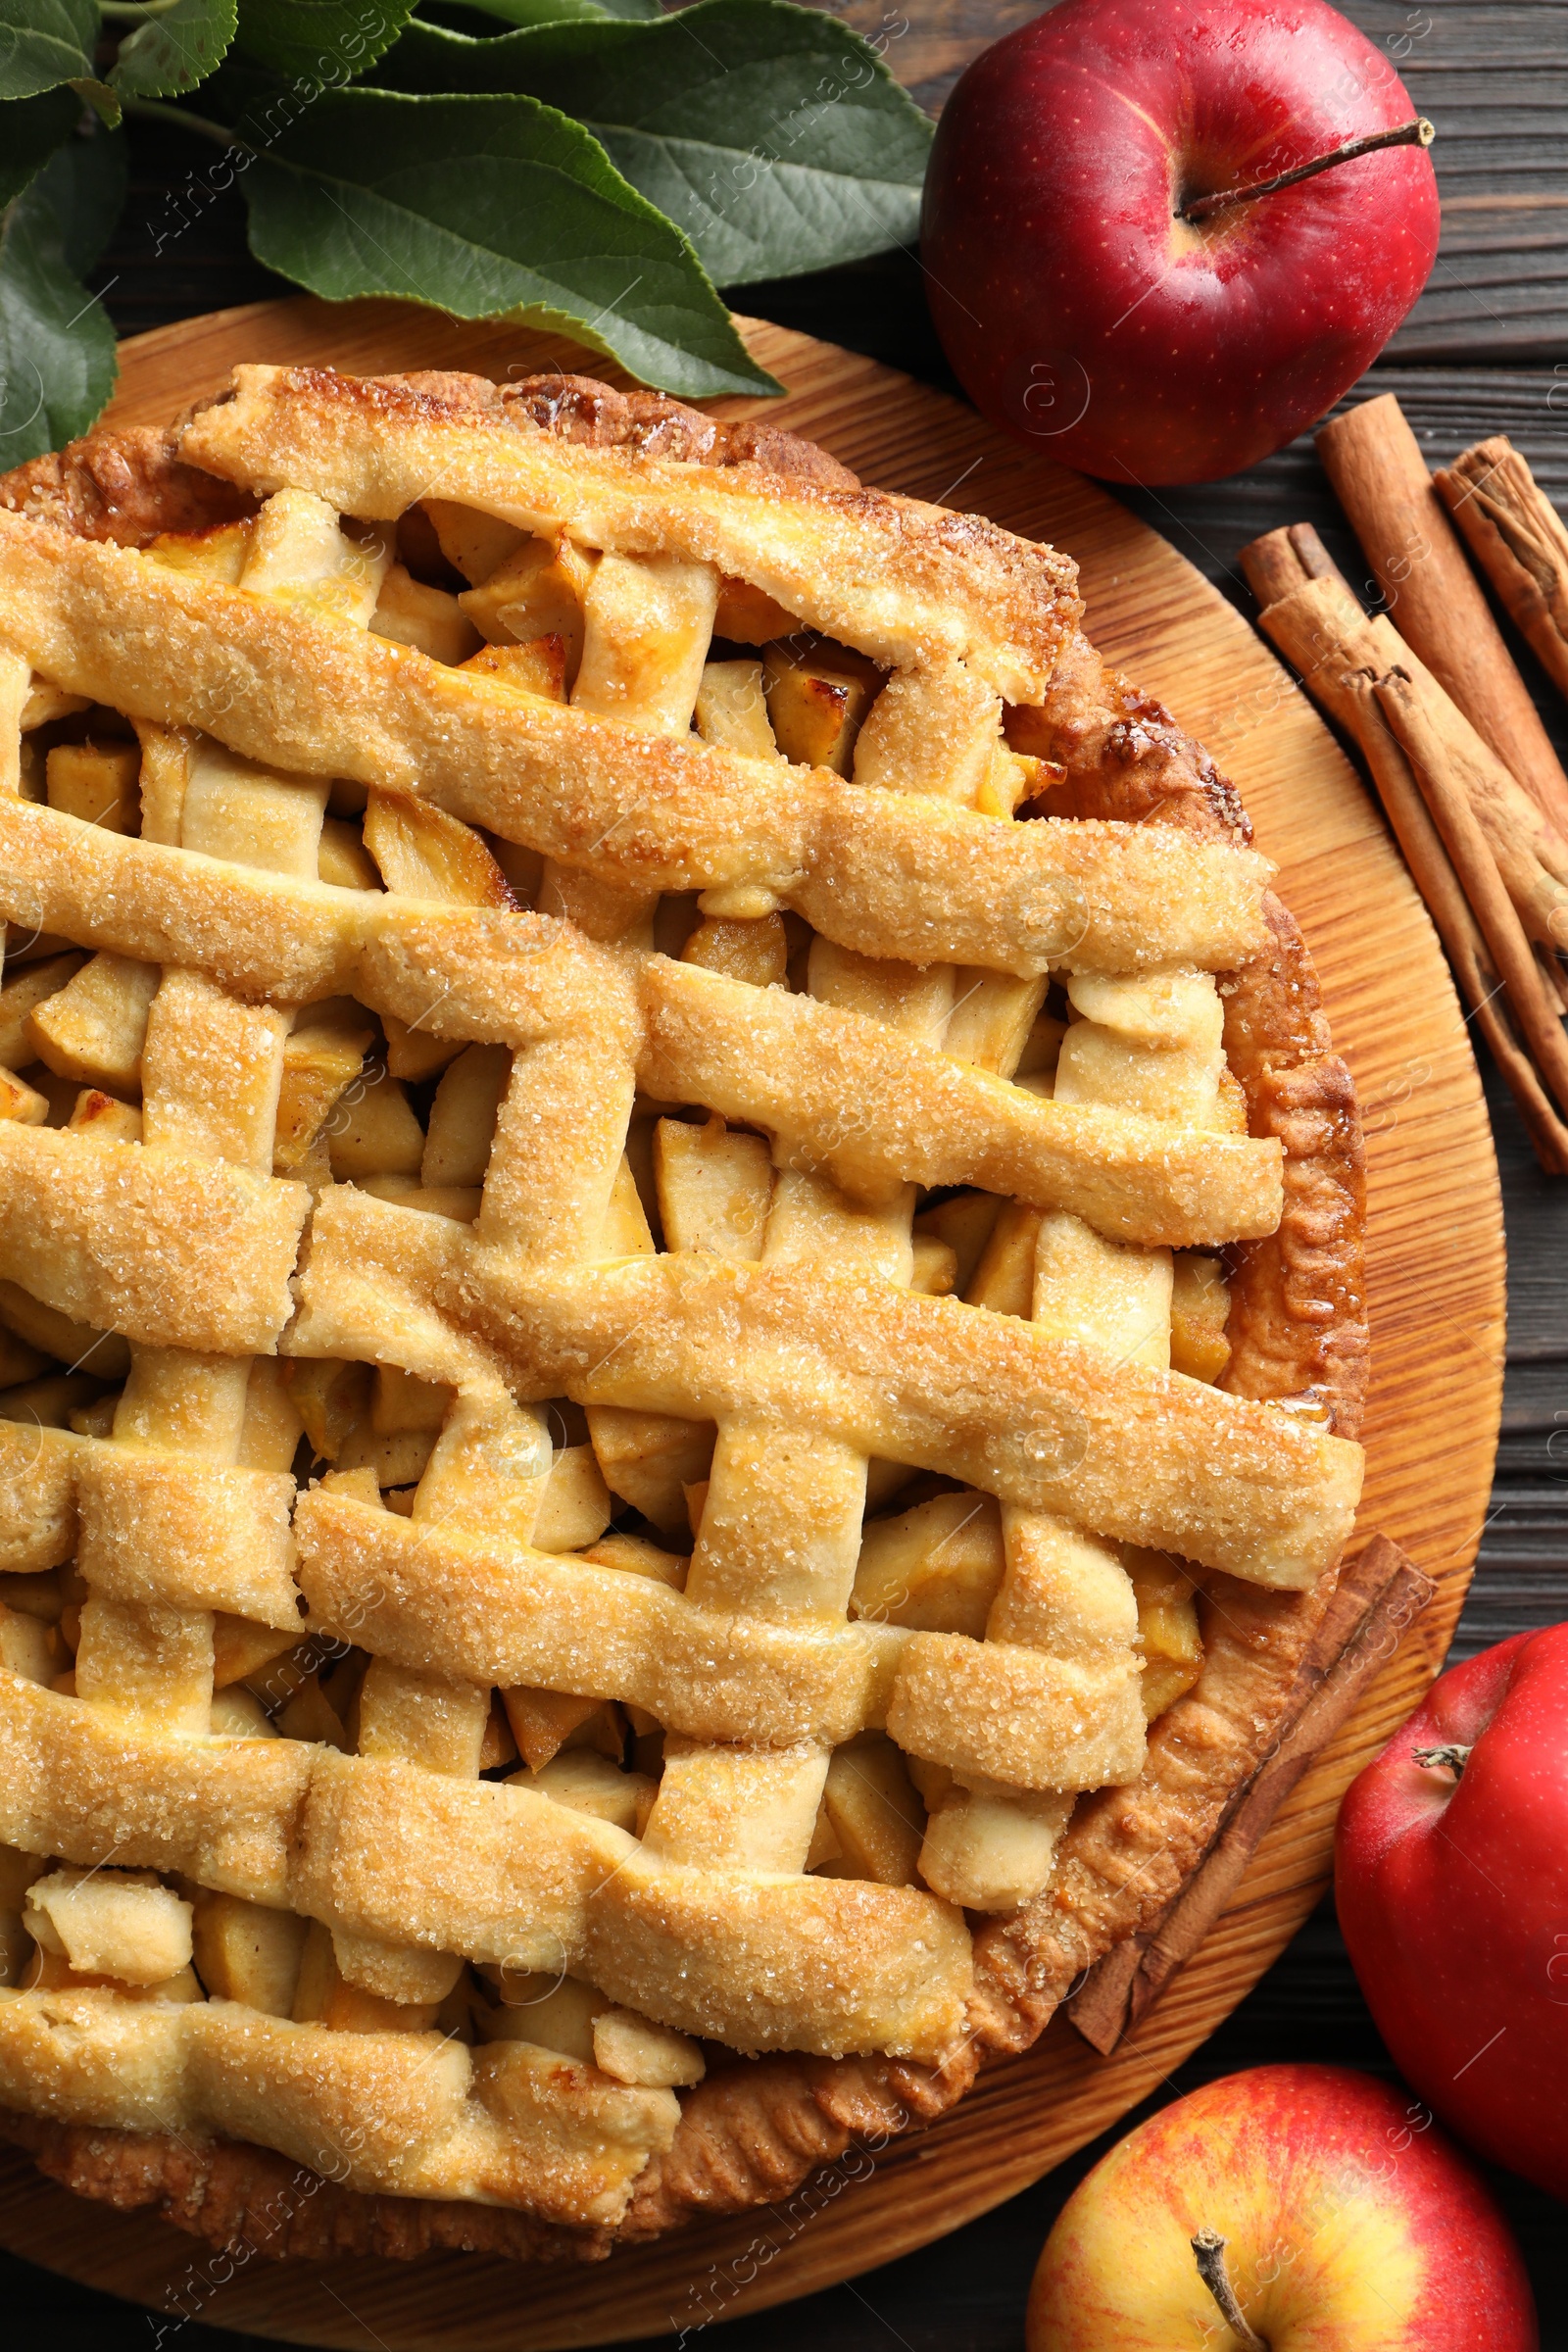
column 774, row 136
column 57, row 347
column 321, row 42
column 491, row 208
column 170, row 54
column 43, row 43
column 84, row 187
column 47, row 43
column 34, row 129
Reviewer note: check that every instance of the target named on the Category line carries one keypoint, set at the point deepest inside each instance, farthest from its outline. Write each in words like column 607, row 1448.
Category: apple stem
column 1417, row 134
column 1209, row 2249
column 1455, row 1758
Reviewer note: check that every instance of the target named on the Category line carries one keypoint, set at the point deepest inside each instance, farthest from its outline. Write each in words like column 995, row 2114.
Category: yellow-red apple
column 1350, row 2224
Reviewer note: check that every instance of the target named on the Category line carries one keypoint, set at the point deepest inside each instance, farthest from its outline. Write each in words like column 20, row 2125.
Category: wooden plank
column 1434, row 1266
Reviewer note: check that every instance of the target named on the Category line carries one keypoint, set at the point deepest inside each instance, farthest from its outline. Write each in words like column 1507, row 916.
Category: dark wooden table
column 1485, row 351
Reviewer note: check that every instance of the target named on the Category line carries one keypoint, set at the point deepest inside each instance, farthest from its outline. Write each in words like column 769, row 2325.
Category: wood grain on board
column 1435, row 1264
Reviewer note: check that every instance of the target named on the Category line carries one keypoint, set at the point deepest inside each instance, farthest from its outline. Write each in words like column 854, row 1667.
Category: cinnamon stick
column 1322, row 629
column 1431, row 754
column 1375, row 464
column 1379, row 1595
column 1519, row 540
column 1481, row 991
column 1338, row 653
column 1283, row 560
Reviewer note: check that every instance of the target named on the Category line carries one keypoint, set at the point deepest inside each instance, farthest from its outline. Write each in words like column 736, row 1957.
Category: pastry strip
column 211, row 1073
column 500, row 1873
column 1148, row 1457
column 170, row 1249
column 899, row 580
column 412, row 2114
column 781, row 1524
column 873, row 868
column 1156, row 1042
column 491, row 1459
column 783, row 1061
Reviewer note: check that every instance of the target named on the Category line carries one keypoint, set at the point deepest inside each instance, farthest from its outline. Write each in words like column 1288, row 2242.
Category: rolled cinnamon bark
column 1323, row 631
column 1443, row 787
column 1338, row 653
column 1519, row 540
column 1283, row 560
column 1375, row 464
column 1481, row 991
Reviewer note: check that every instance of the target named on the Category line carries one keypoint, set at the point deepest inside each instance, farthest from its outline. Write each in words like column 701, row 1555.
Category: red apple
column 1350, row 2225
column 1453, row 1893
column 1083, row 312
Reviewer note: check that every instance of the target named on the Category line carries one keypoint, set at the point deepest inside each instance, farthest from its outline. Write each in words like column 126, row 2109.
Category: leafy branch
column 590, row 166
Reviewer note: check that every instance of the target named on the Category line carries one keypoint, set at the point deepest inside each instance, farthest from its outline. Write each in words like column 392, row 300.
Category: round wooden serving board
column 1435, row 1261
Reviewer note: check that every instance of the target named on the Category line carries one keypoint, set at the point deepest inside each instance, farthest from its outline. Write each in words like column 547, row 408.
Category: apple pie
column 680, row 1311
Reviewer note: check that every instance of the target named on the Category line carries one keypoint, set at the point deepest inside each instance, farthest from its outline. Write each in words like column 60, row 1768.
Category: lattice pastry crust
column 632, row 1085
